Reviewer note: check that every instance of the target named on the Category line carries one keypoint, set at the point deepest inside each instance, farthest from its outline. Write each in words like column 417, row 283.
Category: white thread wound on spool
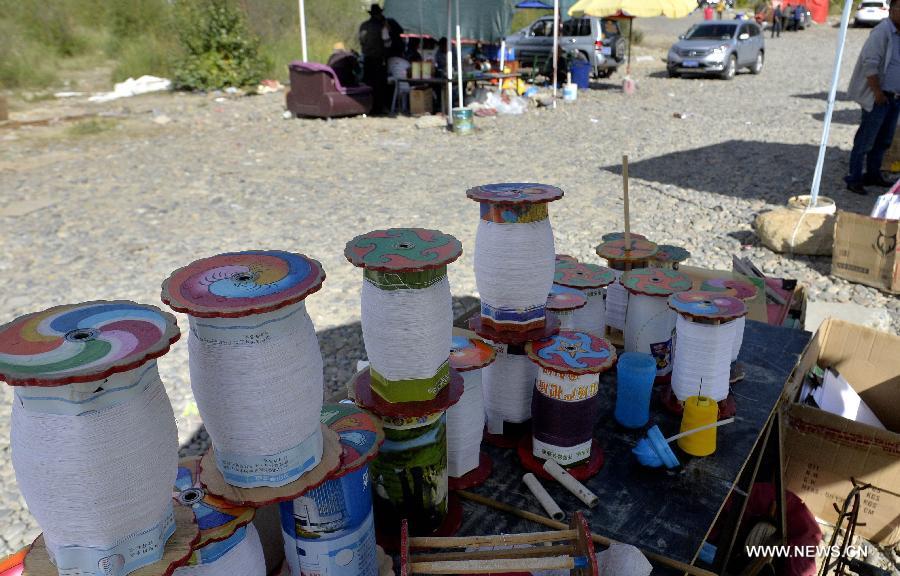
column 591, row 317
column 701, row 351
column 649, row 321
column 407, row 332
column 93, row 480
column 465, row 426
column 244, row 559
column 508, row 383
column 514, row 263
column 738, row 340
column 258, row 381
column 616, row 303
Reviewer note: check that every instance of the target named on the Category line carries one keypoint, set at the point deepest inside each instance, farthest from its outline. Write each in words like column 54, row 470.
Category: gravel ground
column 170, row 178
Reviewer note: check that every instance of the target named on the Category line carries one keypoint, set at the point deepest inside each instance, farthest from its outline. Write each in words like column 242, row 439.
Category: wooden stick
column 530, row 552
column 625, row 197
column 602, row 540
column 492, row 566
column 493, row 540
column 671, row 439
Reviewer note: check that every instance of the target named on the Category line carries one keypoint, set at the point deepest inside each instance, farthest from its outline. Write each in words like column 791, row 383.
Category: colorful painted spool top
column 670, row 254
column 619, row 250
column 707, row 306
column 217, row 518
column 470, row 353
column 565, row 258
column 83, row 342
column 661, row 282
column 581, row 275
column 619, row 235
column 564, row 299
column 515, row 193
column 401, row 250
column 360, row 433
column 238, row 284
column 572, row 352
column 741, row 289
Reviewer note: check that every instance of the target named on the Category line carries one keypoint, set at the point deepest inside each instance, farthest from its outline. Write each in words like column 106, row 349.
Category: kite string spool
column 648, row 327
column 507, row 385
column 616, row 302
column 124, row 458
column 702, row 352
column 407, row 331
column 258, row 383
column 738, row 340
column 465, row 426
column 244, row 559
column 514, row 264
column 592, row 316
column 563, row 416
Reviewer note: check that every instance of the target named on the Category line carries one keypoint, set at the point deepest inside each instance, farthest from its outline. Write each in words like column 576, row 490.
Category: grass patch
column 90, row 127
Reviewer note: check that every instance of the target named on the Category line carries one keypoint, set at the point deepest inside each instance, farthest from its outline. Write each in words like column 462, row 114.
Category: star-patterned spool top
column 635, row 250
column 515, row 193
column 573, row 352
column 701, row 305
column 582, row 275
column 741, row 289
column 470, row 353
column 238, row 284
column 83, row 342
column 563, row 298
column 403, row 250
column 661, row 282
column 671, row 254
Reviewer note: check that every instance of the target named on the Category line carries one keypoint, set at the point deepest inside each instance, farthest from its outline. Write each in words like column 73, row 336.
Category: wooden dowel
column 602, row 540
column 625, row 198
column 530, row 552
column 493, row 540
column 492, row 566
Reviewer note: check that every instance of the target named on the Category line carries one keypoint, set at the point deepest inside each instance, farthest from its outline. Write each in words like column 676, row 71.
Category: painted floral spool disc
column 514, row 194
column 470, row 354
column 622, row 255
column 582, row 275
column 565, row 258
column 670, row 256
column 707, row 307
column 565, row 299
column 620, row 235
column 741, row 289
column 658, row 282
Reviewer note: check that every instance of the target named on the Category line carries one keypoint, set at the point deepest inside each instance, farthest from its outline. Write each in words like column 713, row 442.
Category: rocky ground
column 107, row 208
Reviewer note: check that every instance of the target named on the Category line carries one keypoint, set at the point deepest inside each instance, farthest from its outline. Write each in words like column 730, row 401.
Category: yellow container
column 699, row 411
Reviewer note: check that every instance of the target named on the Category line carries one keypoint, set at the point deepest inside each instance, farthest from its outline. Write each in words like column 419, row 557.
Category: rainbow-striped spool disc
column 238, row 284
column 83, row 342
column 582, row 275
column 515, row 193
column 635, row 250
column 403, row 250
column 742, row 289
column 660, row 282
column 563, row 298
column 701, row 306
column 572, row 352
column 470, row 353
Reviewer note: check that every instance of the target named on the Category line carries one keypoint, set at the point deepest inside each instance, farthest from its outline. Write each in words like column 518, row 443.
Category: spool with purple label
column 564, row 402
column 649, row 322
column 563, row 302
column 622, row 256
column 89, row 407
column 669, row 256
column 592, row 280
column 256, row 368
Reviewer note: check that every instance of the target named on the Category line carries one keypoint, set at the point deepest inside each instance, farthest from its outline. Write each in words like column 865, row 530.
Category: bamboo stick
column 493, row 540
column 530, row 552
column 492, row 566
column 625, row 198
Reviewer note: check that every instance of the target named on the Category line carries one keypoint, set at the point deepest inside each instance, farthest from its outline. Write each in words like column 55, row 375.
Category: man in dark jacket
column 373, row 34
column 777, row 16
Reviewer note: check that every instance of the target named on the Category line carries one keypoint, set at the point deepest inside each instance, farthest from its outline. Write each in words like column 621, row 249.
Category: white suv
column 871, row 12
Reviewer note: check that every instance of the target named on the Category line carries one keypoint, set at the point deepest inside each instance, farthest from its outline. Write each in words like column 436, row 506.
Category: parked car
column 720, row 48
column 597, row 40
column 871, row 12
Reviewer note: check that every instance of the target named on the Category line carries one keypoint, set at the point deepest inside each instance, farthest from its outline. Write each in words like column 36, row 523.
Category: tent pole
column 459, row 58
column 449, row 62
column 829, row 110
column 630, row 30
column 555, row 47
column 302, row 8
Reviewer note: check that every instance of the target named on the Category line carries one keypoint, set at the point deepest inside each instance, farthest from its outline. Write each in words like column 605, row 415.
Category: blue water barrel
column 581, row 73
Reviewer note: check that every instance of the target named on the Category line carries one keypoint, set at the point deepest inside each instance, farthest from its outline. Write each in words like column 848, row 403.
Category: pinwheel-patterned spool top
column 661, row 282
column 83, row 342
column 515, row 193
column 707, row 306
column 571, row 352
column 670, row 254
column 636, row 249
column 360, row 433
column 470, row 353
column 403, row 250
column 563, row 298
column 582, row 275
column 741, row 289
column 238, row 284
column 620, row 235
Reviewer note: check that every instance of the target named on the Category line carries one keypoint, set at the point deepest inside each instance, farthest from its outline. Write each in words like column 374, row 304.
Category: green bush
column 219, row 50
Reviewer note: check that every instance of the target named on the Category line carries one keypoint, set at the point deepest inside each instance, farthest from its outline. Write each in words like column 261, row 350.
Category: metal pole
column 555, row 46
column 303, row 29
column 829, row 110
column 449, row 62
column 459, row 58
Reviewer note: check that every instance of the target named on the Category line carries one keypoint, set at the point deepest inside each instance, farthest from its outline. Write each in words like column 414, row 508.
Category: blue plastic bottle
column 635, row 374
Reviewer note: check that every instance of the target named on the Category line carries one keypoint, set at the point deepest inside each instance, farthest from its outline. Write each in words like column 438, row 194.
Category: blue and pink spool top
column 703, row 306
column 658, row 282
column 582, row 275
column 571, row 352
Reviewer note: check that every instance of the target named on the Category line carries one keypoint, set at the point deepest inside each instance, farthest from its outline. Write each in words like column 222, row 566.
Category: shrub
column 219, row 50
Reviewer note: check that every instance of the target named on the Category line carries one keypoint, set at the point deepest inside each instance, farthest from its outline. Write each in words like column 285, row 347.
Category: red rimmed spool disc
column 403, row 250
column 363, row 395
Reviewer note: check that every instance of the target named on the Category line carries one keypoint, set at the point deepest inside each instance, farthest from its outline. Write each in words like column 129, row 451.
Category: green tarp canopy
column 485, row 20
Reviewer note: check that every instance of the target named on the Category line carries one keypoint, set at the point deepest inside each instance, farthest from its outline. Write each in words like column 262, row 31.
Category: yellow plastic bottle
column 699, row 411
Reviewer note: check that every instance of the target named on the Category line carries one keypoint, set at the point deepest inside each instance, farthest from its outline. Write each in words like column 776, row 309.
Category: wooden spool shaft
column 530, row 552
column 492, row 566
column 493, row 540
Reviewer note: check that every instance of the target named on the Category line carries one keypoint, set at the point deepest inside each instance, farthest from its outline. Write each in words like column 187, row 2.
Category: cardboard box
column 865, row 251
column 823, row 451
column 421, row 101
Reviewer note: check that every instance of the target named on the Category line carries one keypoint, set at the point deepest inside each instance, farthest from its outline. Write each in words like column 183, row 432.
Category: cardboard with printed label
column 823, row 451
column 865, row 251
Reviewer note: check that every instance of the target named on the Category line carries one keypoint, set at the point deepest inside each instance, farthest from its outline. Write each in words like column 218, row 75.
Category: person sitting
column 412, row 50
column 398, row 68
column 345, row 64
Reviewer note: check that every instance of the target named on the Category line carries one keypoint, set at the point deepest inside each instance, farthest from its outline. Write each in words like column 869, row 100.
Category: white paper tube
column 571, row 484
column 543, row 497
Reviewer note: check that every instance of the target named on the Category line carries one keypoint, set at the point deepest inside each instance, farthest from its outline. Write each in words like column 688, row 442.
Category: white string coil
column 738, row 340
column 649, row 324
column 465, row 426
column 567, row 387
column 566, row 318
column 702, row 351
column 616, row 303
column 514, row 264
column 591, row 317
column 101, row 482
column 407, row 332
column 508, row 383
column 244, row 559
column 258, row 384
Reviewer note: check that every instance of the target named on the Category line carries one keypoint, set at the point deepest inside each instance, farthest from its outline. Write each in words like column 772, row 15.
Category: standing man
column 786, row 17
column 720, row 9
column 777, row 15
column 875, row 85
column 373, row 34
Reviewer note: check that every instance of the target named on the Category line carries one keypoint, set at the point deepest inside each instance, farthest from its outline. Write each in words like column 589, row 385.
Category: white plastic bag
column 506, row 104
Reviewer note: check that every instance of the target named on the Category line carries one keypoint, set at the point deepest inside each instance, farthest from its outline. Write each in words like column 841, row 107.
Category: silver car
column 719, row 48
